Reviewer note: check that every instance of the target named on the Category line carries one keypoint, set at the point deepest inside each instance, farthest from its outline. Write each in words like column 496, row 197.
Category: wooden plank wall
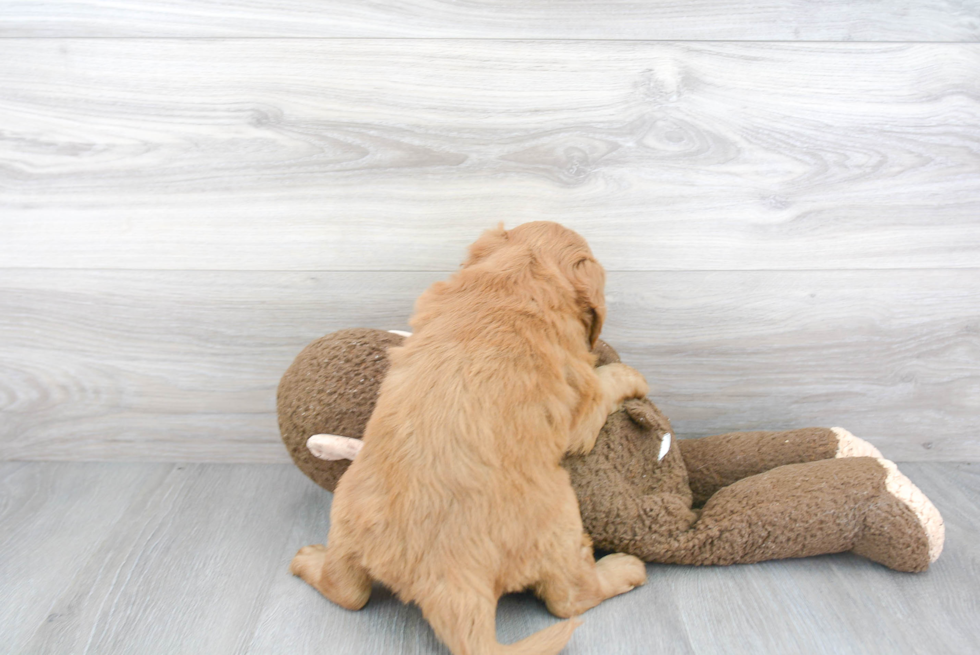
column 786, row 195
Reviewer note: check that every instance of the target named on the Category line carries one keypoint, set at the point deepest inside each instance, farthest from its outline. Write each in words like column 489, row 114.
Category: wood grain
column 183, row 365
column 130, row 558
column 891, row 355
column 761, row 20
column 53, row 520
column 186, row 547
column 394, row 154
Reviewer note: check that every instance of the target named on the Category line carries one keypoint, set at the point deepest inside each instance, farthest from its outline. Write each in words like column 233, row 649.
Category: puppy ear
column 594, row 324
column 589, row 279
column 489, row 242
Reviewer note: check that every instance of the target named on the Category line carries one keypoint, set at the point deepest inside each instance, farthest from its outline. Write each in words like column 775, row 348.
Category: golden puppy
column 457, row 496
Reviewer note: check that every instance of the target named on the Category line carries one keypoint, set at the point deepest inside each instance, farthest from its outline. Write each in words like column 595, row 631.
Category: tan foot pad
column 931, row 521
column 850, row 446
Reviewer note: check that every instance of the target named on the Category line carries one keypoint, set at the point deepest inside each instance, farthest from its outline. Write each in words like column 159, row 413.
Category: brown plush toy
column 733, row 498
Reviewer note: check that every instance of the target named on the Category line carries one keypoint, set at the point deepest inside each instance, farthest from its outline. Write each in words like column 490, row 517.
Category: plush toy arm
column 718, row 461
column 333, row 447
column 652, row 527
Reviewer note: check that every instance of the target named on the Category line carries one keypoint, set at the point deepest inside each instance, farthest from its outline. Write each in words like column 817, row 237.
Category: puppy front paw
column 622, row 382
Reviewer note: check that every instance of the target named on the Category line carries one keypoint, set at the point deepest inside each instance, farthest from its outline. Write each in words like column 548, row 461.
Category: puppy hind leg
column 464, row 618
column 337, row 576
column 575, row 582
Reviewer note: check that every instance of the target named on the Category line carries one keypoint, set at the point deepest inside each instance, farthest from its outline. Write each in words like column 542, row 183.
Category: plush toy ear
column 489, row 242
column 642, row 414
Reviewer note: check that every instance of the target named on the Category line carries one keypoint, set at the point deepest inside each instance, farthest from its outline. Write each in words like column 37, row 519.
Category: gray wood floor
column 108, row 558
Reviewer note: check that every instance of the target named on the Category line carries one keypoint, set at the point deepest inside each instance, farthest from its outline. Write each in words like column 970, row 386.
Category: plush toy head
column 332, row 387
column 635, row 459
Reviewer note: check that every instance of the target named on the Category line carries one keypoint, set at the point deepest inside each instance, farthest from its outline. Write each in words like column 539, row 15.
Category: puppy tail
column 466, row 623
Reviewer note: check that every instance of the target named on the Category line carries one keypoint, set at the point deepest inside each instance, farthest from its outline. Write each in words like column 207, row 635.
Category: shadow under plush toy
column 733, row 498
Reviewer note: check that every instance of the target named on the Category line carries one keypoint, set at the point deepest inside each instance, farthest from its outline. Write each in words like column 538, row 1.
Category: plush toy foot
column 850, row 446
column 896, row 525
column 880, row 540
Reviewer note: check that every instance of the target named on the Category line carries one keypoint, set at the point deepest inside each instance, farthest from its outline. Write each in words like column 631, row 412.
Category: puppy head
column 490, row 242
column 556, row 247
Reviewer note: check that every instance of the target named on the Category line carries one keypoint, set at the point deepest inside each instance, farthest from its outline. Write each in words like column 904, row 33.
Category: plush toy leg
column 718, row 461
column 862, row 504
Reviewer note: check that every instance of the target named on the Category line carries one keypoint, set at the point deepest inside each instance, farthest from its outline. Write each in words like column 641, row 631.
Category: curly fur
column 458, row 496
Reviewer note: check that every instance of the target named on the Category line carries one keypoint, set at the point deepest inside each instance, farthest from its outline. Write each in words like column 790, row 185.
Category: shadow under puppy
column 458, row 496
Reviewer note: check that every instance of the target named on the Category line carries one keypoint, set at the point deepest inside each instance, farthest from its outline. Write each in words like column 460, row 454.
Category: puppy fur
column 457, row 496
